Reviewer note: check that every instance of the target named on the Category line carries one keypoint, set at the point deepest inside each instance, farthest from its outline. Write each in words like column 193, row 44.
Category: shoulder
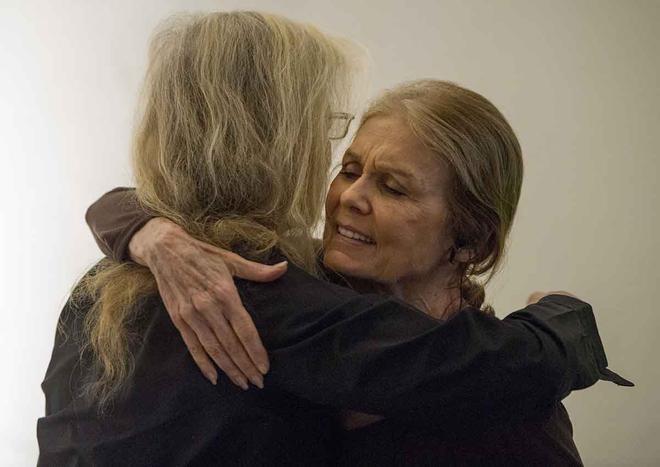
column 298, row 306
column 300, row 290
column 297, row 287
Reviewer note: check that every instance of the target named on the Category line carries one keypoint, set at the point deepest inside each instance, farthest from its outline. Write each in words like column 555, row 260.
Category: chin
column 345, row 265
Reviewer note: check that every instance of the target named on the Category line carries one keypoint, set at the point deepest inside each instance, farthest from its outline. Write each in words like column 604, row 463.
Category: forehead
column 386, row 135
column 386, row 142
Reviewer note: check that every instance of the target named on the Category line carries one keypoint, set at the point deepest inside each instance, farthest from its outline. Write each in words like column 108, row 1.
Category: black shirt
column 329, row 348
column 544, row 439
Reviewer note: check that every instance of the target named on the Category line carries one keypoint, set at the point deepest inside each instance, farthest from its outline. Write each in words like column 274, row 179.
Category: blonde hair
column 232, row 145
column 473, row 137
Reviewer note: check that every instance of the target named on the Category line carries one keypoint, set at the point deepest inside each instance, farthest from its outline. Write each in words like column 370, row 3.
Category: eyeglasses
column 340, row 122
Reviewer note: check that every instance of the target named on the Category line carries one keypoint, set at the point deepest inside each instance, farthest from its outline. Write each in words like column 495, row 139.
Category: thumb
column 253, row 271
column 561, row 292
column 535, row 297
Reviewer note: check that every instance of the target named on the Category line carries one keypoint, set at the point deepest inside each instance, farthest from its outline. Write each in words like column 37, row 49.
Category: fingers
column 561, row 292
column 536, row 296
column 226, row 336
column 213, row 348
column 247, row 333
column 198, row 354
column 250, row 270
column 196, row 284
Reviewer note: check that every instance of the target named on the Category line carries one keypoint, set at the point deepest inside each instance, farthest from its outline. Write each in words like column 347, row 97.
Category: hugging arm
column 219, row 330
column 378, row 355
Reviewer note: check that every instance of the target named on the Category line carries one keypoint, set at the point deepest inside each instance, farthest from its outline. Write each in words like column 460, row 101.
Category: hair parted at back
column 232, row 145
column 471, row 135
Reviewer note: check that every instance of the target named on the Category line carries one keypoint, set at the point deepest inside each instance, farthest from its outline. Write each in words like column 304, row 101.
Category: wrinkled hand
column 536, row 296
column 196, row 284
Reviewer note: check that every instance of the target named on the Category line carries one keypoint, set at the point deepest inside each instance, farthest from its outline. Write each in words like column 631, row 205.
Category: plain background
column 578, row 80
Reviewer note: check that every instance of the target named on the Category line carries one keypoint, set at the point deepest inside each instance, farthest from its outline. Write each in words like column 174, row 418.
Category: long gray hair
column 232, row 145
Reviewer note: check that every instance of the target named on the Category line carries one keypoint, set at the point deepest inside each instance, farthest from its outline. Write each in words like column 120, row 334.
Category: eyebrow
column 351, row 156
column 397, row 171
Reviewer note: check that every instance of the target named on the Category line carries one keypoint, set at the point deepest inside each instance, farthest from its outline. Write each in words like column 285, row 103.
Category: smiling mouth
column 344, row 232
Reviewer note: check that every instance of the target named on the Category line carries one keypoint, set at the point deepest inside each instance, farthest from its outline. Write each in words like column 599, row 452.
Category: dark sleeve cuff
column 590, row 353
column 114, row 219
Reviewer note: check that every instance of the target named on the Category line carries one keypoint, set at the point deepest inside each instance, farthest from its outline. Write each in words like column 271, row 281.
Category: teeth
column 354, row 235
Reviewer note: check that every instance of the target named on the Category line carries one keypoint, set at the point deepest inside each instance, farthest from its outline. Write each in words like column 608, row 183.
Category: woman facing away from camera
column 233, row 147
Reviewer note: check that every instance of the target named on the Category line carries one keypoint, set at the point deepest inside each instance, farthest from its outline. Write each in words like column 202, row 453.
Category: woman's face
column 386, row 210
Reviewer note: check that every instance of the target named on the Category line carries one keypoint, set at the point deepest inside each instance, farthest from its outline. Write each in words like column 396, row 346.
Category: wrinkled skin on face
column 386, row 210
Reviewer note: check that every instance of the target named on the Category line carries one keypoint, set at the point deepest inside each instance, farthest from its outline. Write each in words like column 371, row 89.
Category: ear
column 464, row 255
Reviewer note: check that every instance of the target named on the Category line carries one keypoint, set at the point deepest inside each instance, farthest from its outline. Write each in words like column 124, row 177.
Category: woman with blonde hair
column 232, row 144
column 233, row 147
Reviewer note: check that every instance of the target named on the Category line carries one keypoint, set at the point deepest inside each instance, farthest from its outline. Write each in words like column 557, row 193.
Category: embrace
column 372, row 346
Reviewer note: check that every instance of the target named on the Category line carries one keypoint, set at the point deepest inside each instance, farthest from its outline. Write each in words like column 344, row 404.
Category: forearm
column 384, row 361
column 114, row 219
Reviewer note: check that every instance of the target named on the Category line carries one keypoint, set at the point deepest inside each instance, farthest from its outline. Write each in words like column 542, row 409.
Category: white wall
column 577, row 80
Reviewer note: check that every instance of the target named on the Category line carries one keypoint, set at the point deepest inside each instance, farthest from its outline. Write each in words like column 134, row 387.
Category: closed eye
column 349, row 175
column 392, row 191
column 350, row 171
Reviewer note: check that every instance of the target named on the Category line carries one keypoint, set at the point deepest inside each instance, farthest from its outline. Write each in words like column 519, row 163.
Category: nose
column 356, row 197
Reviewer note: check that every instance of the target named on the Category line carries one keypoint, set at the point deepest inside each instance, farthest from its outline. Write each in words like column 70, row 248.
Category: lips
column 349, row 232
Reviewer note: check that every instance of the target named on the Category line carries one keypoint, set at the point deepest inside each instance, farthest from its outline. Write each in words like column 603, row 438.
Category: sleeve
column 114, row 218
column 390, row 359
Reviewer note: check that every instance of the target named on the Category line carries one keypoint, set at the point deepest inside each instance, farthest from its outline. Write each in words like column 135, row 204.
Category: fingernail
column 212, row 378
column 262, row 368
column 243, row 383
column 259, row 382
column 283, row 263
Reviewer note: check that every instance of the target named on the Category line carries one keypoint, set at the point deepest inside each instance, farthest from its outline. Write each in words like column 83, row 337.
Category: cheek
column 432, row 243
column 413, row 235
column 398, row 231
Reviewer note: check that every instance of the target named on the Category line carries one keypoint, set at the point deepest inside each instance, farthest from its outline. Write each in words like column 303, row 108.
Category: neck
column 437, row 295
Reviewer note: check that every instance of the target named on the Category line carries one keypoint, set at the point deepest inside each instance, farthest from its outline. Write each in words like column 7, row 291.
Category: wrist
column 147, row 242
